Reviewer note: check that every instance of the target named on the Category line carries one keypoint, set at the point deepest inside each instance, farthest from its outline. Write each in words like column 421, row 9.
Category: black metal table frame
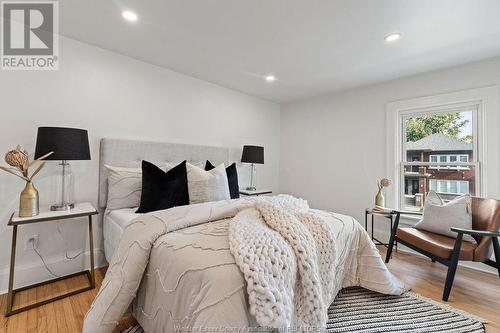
column 90, row 274
column 387, row 216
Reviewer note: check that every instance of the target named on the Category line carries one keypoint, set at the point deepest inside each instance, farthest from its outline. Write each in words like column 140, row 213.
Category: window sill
column 410, row 219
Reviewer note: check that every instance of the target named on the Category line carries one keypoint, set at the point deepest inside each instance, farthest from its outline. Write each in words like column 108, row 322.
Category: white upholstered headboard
column 130, row 153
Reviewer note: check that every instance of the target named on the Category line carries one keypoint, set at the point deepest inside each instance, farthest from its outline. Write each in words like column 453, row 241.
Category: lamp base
column 251, row 188
column 62, row 207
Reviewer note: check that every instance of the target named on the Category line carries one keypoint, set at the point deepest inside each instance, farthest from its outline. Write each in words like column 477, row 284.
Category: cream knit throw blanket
column 287, row 255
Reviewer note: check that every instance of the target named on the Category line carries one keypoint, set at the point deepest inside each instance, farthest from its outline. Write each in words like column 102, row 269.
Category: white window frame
column 486, row 124
column 473, row 107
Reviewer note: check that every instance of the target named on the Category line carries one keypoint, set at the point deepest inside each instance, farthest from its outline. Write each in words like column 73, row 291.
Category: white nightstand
column 80, row 210
column 255, row 192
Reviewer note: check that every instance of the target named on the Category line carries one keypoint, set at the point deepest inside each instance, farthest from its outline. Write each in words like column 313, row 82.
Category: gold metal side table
column 80, row 210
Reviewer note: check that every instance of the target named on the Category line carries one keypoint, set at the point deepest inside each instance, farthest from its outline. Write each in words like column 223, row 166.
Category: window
column 445, row 141
column 453, row 187
column 451, row 159
column 410, row 177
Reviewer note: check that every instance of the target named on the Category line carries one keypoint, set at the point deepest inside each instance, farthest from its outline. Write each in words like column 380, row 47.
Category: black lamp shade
column 66, row 143
column 253, row 154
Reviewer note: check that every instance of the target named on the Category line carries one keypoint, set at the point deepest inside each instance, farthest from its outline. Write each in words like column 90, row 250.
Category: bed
column 188, row 268
column 129, row 154
column 114, row 223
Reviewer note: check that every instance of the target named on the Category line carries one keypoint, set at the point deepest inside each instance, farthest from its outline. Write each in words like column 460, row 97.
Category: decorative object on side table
column 67, row 144
column 253, row 155
column 19, row 161
column 379, row 198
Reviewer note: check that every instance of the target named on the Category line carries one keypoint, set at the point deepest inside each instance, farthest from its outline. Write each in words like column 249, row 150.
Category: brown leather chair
column 447, row 250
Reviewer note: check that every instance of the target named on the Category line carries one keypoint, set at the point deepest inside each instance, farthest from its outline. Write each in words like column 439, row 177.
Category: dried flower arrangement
column 384, row 182
column 18, row 160
column 379, row 198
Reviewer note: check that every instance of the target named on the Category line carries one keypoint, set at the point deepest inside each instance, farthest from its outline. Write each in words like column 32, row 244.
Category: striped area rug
column 361, row 310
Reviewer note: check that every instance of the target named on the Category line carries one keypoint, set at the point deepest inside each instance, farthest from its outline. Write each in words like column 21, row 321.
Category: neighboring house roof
column 439, row 142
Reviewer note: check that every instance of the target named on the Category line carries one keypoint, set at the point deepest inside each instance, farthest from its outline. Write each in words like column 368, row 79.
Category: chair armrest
column 476, row 232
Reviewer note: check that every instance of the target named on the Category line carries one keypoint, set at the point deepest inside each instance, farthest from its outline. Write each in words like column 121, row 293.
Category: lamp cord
column 45, row 264
column 68, row 257
column 66, row 245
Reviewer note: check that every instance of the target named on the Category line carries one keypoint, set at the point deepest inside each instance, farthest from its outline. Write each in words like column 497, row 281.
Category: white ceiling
column 312, row 46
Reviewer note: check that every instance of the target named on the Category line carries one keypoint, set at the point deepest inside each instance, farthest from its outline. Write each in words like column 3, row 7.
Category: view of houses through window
column 438, row 155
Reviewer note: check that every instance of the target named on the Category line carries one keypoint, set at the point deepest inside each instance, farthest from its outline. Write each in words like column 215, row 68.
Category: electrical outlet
column 31, row 242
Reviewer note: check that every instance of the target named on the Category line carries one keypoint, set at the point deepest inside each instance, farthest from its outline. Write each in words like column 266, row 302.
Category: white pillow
column 439, row 216
column 205, row 186
column 125, row 186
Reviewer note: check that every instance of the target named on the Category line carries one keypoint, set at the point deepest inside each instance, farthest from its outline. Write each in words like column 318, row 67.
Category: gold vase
column 28, row 203
column 380, row 199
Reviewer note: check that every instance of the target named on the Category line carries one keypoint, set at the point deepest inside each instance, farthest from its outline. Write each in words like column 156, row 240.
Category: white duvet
column 178, row 266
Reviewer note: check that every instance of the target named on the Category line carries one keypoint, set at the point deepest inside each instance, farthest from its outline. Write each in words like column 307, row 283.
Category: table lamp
column 253, row 155
column 67, row 144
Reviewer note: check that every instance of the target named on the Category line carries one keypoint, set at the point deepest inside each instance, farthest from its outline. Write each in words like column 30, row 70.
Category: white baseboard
column 34, row 272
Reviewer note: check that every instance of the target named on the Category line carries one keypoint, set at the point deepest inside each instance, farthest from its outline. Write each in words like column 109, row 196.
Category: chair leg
column 389, row 250
column 452, row 268
column 392, row 240
column 496, row 248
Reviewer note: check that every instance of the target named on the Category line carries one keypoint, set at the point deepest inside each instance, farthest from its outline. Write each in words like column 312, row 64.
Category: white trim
column 440, row 163
column 413, row 218
column 486, row 141
column 473, row 107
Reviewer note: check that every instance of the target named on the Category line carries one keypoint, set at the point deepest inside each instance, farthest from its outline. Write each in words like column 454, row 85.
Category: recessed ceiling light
column 392, row 37
column 270, row 78
column 129, row 16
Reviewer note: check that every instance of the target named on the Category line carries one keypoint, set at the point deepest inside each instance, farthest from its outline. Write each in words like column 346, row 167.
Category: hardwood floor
column 65, row 315
column 475, row 292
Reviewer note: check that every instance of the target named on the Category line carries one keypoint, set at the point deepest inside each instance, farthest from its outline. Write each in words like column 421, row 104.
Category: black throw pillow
column 232, row 179
column 162, row 190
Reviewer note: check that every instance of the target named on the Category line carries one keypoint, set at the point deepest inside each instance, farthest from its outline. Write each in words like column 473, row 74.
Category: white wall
column 333, row 147
column 115, row 96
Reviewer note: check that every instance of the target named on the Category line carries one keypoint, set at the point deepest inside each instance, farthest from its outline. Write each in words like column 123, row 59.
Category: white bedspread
column 114, row 223
column 192, row 280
